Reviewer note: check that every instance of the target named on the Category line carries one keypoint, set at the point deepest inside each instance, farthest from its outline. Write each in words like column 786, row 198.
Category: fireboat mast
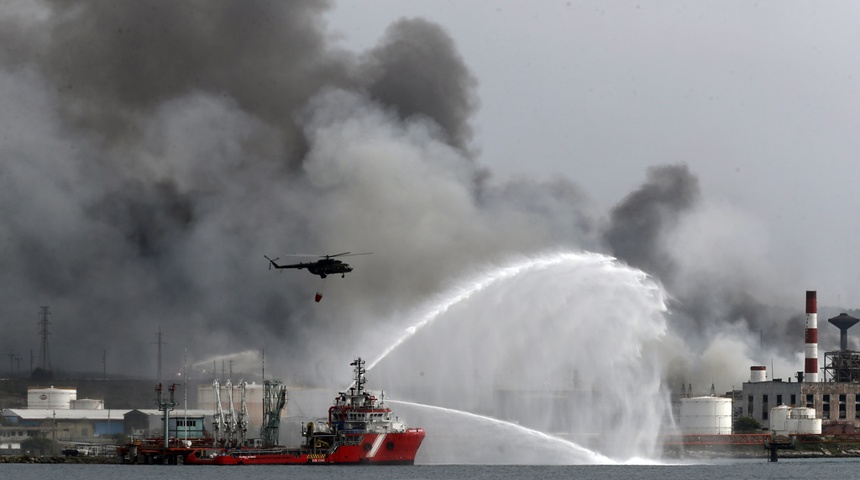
column 359, row 380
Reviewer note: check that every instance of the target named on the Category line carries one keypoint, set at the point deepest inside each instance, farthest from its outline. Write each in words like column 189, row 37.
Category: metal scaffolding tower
column 44, row 353
column 274, row 401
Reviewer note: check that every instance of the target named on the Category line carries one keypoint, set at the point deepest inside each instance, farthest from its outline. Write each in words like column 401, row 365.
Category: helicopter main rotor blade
column 342, row 254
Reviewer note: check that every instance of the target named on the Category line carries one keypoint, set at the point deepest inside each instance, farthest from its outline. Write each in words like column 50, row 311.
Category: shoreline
column 802, row 450
column 670, row 452
column 55, row 459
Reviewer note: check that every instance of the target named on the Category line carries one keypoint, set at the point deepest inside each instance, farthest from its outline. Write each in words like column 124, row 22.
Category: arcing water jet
column 464, row 291
column 546, row 447
column 562, row 344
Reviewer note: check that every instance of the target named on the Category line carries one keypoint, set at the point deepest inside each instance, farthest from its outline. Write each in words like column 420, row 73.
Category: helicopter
column 327, row 264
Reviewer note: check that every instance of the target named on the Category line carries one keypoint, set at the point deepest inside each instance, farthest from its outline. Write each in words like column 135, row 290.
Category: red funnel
column 318, row 296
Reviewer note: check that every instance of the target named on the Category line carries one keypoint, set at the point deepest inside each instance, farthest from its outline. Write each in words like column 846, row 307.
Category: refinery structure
column 818, row 401
column 832, row 397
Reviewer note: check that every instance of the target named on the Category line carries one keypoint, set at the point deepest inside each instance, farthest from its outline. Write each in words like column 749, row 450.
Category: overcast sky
column 760, row 99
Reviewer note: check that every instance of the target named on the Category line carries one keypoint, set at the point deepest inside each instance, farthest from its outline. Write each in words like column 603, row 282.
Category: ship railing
column 350, row 437
column 261, row 451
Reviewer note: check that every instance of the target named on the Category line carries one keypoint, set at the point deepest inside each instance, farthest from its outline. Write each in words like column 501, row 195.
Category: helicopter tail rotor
column 271, row 262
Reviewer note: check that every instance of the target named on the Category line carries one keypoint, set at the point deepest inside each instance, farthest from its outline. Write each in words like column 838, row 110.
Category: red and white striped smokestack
column 810, row 371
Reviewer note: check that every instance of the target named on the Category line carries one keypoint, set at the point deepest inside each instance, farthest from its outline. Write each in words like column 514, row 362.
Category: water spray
column 578, row 454
column 471, row 286
column 563, row 343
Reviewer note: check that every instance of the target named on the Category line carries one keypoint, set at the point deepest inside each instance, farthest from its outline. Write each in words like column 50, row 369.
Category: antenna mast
column 160, row 342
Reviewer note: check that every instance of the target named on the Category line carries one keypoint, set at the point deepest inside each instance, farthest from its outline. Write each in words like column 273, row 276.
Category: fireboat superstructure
column 361, row 410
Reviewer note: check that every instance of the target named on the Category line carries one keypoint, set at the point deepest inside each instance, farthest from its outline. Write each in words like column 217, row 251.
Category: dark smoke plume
column 640, row 221
column 413, row 70
column 153, row 151
column 720, row 298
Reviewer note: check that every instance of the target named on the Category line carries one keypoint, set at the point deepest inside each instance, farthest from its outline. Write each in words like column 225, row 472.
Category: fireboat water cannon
column 166, row 406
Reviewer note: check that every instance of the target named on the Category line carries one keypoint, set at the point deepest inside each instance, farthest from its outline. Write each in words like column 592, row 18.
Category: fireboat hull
column 367, row 448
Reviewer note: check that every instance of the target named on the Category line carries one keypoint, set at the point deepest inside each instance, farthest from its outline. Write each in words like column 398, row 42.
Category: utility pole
column 11, row 363
column 54, row 443
column 185, row 391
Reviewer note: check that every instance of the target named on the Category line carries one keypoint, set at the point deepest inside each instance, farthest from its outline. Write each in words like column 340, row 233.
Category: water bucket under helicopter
column 320, row 291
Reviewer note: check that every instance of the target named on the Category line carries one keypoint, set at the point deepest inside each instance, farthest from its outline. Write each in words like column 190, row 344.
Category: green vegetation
column 39, row 446
column 746, row 425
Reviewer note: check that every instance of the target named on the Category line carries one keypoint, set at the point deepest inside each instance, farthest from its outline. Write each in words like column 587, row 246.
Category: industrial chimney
column 811, row 350
column 758, row 373
column 843, row 322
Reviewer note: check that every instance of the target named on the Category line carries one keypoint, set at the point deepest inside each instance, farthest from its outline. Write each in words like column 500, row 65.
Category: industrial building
column 834, row 397
column 182, row 423
column 64, row 425
column 57, row 414
column 760, row 395
column 11, row 438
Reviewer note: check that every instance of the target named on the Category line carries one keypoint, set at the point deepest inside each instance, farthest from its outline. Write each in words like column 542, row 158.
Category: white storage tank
column 51, row 398
column 706, row 416
column 779, row 419
column 798, row 420
column 805, row 420
column 87, row 404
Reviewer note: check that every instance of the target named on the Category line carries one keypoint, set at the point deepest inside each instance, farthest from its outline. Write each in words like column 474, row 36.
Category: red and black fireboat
column 360, row 429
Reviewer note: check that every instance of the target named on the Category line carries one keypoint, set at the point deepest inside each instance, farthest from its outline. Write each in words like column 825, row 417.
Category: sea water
column 787, row 469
